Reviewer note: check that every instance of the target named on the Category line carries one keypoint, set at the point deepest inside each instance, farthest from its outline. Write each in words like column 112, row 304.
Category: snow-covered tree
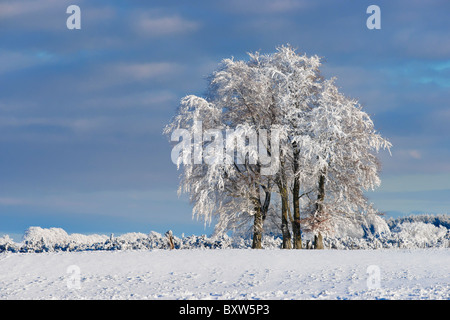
column 231, row 187
column 342, row 157
column 297, row 81
column 320, row 150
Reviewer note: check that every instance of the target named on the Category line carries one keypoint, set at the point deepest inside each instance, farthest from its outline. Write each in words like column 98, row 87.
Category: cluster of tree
column 315, row 148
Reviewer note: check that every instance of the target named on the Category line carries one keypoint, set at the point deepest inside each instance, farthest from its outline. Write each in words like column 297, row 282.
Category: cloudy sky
column 82, row 111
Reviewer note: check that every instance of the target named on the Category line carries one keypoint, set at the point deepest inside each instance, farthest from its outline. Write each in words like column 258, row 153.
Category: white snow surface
column 226, row 274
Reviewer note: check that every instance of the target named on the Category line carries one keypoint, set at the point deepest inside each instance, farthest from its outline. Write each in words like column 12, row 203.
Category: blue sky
column 82, row 111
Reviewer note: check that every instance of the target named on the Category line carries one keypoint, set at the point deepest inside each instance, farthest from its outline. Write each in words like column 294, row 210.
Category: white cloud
column 12, row 9
column 415, row 154
column 42, row 15
column 433, row 44
column 12, row 201
column 76, row 125
column 407, row 154
column 124, row 73
column 151, row 25
column 113, row 203
column 143, row 71
column 267, row 6
column 146, row 99
column 415, row 182
column 13, row 60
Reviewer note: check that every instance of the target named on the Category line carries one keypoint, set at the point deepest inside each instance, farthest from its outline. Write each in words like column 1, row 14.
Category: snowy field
column 227, row 274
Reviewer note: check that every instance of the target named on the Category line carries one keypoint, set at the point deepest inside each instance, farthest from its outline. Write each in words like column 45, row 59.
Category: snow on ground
column 226, row 274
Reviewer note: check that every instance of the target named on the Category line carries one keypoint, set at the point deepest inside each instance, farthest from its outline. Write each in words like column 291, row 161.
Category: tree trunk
column 296, row 201
column 283, row 190
column 321, row 194
column 257, row 230
column 284, row 219
column 318, row 239
column 258, row 223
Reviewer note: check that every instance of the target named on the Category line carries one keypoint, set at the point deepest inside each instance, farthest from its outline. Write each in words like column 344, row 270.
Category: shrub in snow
column 436, row 220
column 402, row 234
column 358, row 226
column 419, row 234
column 366, row 232
column 80, row 242
column 7, row 244
column 37, row 239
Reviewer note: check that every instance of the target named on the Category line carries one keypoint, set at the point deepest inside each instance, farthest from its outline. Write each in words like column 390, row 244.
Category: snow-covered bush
column 359, row 226
column 365, row 232
column 436, row 220
column 420, row 234
column 7, row 244
column 37, row 239
column 416, row 231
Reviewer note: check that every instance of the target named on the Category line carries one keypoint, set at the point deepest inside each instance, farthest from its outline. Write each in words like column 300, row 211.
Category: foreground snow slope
column 226, row 274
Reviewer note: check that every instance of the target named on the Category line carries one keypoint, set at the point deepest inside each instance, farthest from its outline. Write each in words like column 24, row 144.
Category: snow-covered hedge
column 372, row 232
column 416, row 231
column 37, row 239
column 436, row 220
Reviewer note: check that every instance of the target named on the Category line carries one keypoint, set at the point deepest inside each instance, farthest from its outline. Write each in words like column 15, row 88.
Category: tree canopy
column 273, row 138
